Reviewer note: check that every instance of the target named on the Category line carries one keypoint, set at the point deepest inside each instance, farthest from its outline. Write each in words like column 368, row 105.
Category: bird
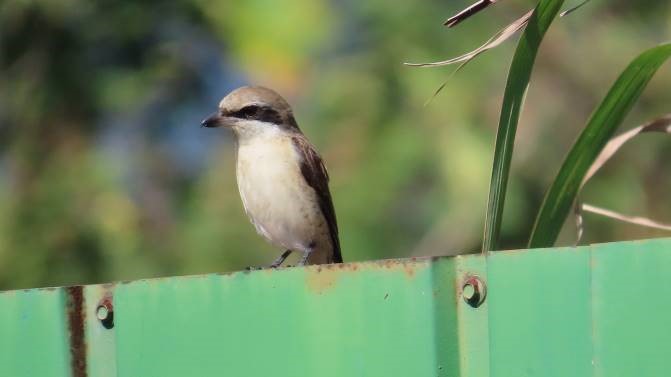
column 282, row 179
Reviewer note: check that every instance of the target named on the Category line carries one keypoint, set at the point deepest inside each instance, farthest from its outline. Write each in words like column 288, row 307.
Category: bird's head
column 252, row 108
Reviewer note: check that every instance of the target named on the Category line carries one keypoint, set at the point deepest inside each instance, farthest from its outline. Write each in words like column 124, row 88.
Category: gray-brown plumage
column 282, row 180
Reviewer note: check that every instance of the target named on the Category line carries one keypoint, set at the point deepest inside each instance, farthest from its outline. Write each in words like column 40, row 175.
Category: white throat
column 253, row 130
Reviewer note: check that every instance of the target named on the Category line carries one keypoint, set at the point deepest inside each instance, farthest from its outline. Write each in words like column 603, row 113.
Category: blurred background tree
column 105, row 174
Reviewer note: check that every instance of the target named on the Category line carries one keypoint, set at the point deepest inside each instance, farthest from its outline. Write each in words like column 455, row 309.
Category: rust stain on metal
column 457, row 297
column 108, row 304
column 322, row 278
column 478, row 290
column 409, row 270
column 408, row 266
column 76, row 318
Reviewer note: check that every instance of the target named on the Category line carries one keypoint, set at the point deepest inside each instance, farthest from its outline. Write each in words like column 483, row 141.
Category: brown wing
column 317, row 177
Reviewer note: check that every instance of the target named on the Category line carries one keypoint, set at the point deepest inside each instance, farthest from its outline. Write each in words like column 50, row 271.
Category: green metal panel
column 359, row 320
column 101, row 343
column 539, row 313
column 472, row 326
column 33, row 334
column 589, row 311
column 632, row 309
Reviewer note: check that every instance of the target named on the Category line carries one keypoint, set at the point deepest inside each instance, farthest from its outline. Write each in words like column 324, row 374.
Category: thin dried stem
column 468, row 12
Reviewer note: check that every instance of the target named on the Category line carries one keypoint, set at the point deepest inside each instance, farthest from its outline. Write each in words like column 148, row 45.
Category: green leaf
column 600, row 128
column 516, row 87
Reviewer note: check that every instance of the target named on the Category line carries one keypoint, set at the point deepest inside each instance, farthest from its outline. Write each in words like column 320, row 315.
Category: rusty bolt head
column 474, row 291
column 105, row 313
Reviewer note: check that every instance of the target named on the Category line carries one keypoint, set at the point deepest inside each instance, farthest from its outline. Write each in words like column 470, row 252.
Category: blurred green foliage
column 105, row 174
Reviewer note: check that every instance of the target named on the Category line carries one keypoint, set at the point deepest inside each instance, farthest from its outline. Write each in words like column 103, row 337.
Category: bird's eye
column 248, row 112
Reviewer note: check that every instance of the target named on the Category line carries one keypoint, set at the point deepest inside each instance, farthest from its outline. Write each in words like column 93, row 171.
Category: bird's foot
column 304, row 259
column 280, row 259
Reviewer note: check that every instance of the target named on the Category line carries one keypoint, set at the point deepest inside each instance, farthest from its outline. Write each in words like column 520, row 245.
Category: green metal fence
column 602, row 310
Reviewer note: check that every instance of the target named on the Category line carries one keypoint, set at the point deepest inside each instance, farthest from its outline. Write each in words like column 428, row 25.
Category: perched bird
column 282, row 180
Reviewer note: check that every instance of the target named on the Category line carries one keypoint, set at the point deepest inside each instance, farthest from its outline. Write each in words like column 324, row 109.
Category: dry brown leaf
column 629, row 219
column 498, row 38
column 662, row 124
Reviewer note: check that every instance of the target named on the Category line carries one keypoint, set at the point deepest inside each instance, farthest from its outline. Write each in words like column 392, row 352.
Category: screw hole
column 105, row 315
column 474, row 291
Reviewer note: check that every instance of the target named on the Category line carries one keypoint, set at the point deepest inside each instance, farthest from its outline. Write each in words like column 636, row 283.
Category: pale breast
column 280, row 204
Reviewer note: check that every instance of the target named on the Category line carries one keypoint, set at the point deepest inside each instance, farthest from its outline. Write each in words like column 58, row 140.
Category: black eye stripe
column 249, row 112
column 243, row 113
column 260, row 113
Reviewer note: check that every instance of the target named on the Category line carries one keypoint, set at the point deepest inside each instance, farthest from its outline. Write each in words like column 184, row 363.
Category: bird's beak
column 214, row 120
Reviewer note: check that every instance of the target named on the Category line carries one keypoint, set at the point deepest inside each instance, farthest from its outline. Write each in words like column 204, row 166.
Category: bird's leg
column 304, row 258
column 280, row 259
